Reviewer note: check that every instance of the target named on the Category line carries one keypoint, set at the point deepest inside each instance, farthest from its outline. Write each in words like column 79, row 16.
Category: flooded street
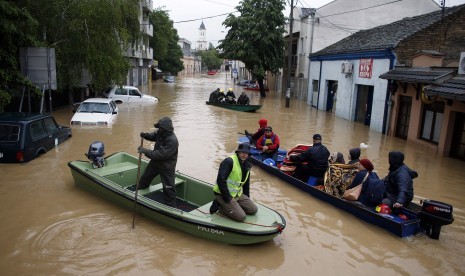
column 51, row 227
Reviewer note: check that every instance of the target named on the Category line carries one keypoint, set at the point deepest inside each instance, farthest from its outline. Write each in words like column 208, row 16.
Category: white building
column 202, row 43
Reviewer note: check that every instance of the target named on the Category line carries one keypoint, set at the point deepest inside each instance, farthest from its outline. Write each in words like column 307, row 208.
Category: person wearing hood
column 232, row 186
column 214, row 96
column 163, row 159
column 268, row 144
column 263, row 123
column 354, row 155
column 399, row 181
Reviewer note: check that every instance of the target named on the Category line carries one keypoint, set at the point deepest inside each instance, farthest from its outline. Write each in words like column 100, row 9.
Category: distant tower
column 202, row 42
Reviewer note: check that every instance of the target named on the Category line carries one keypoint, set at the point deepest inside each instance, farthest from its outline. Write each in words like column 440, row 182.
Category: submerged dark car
column 24, row 136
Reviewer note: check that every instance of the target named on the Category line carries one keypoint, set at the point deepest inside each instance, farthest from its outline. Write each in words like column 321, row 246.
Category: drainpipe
column 388, row 101
column 319, row 85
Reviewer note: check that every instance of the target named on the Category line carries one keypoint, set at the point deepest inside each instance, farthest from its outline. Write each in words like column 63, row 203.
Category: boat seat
column 155, row 187
column 117, row 168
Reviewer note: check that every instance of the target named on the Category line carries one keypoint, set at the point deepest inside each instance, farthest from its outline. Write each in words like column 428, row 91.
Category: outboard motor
column 96, row 153
column 433, row 215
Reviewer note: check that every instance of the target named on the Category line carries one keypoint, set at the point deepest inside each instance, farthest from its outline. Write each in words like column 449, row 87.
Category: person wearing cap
column 373, row 188
column 230, row 96
column 163, row 159
column 316, row 158
column 354, row 155
column 214, row 96
column 399, row 181
column 232, row 186
column 268, row 144
column 243, row 99
column 263, row 123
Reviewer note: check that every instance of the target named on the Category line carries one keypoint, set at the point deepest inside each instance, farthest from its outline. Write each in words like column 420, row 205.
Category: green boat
column 237, row 107
column 115, row 181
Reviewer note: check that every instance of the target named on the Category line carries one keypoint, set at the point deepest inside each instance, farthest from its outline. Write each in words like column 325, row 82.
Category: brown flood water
column 51, row 227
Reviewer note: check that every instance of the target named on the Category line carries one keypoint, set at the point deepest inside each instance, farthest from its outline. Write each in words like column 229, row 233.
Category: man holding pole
column 163, row 159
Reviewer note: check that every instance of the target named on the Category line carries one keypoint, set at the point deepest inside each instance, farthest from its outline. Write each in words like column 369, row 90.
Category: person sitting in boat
column 399, row 181
column 221, row 96
column 337, row 158
column 268, row 144
column 163, row 159
column 317, row 161
column 253, row 137
column 373, row 188
column 230, row 96
column 214, row 96
column 243, row 99
column 232, row 186
column 354, row 155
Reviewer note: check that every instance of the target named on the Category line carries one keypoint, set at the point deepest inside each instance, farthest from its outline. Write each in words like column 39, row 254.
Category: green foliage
column 16, row 31
column 211, row 59
column 90, row 34
column 256, row 37
column 165, row 42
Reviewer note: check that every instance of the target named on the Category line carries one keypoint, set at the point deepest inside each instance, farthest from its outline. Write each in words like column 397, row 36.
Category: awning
column 453, row 89
column 418, row 75
column 158, row 70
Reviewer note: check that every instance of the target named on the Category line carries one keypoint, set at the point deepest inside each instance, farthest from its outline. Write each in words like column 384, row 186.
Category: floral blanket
column 338, row 177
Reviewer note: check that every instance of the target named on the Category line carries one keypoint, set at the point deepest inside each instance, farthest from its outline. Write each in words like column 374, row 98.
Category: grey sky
column 188, row 14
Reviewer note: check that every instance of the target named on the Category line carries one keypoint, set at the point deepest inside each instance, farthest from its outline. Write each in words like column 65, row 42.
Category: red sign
column 365, row 68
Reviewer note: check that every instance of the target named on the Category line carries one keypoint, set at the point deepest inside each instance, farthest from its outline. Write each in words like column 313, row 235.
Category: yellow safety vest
column 234, row 179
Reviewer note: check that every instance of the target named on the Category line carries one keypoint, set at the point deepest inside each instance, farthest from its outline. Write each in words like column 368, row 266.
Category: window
column 37, row 130
column 134, row 92
column 432, row 121
column 50, row 125
column 121, row 91
column 9, row 133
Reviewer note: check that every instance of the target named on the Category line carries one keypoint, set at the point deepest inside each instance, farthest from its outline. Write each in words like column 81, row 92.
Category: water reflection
column 51, row 227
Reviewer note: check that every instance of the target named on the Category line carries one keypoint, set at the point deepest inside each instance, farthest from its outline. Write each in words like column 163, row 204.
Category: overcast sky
column 187, row 15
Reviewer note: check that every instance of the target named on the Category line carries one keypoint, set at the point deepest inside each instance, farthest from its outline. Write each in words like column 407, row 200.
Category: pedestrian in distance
column 232, row 187
column 163, row 159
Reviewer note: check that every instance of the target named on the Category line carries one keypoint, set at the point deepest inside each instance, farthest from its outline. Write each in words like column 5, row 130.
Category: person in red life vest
column 268, row 144
column 253, row 137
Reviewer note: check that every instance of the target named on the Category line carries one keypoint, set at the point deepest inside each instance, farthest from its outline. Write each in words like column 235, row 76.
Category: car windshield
column 94, row 108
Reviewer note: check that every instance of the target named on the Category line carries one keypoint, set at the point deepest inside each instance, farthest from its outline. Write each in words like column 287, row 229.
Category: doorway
column 364, row 104
column 457, row 149
column 403, row 118
column 331, row 97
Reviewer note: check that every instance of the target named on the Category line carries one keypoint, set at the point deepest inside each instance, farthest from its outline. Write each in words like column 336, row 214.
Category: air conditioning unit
column 462, row 63
column 346, row 67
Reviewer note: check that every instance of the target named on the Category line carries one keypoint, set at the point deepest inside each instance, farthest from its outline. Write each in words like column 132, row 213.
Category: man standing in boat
column 233, row 186
column 163, row 159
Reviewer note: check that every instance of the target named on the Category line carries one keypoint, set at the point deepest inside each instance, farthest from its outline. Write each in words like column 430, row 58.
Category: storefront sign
column 365, row 68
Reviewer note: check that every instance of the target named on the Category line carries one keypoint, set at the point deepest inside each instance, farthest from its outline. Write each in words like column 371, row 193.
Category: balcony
column 147, row 5
column 146, row 28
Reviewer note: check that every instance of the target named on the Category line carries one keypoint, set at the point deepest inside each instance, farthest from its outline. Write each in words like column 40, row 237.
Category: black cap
column 244, row 147
column 317, row 136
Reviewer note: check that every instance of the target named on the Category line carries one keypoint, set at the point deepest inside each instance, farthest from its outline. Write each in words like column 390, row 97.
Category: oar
column 137, row 184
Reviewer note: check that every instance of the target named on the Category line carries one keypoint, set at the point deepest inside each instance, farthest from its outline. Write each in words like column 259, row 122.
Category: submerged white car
column 95, row 111
column 128, row 94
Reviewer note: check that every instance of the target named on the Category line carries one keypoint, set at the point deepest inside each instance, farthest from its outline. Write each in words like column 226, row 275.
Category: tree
column 210, row 59
column 17, row 29
column 165, row 42
column 256, row 37
column 88, row 34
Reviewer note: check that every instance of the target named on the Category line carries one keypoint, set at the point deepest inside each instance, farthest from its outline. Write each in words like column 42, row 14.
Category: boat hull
column 192, row 218
column 237, row 107
column 393, row 224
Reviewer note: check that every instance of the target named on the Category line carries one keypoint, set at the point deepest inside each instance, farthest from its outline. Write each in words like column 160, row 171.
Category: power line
column 197, row 19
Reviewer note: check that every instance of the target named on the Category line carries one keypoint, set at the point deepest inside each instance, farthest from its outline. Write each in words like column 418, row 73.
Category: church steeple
column 202, row 42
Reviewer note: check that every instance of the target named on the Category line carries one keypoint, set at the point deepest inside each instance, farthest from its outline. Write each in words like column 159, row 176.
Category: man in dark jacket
column 214, row 96
column 399, row 181
column 163, row 159
column 232, row 186
column 317, row 160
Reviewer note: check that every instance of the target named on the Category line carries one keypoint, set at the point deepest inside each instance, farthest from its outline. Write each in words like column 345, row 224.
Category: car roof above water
column 21, row 116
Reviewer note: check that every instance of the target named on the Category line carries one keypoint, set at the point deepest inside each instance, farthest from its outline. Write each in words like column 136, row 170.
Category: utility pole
column 289, row 55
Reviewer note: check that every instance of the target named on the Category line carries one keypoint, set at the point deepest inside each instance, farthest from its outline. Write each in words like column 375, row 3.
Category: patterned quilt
column 338, row 177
